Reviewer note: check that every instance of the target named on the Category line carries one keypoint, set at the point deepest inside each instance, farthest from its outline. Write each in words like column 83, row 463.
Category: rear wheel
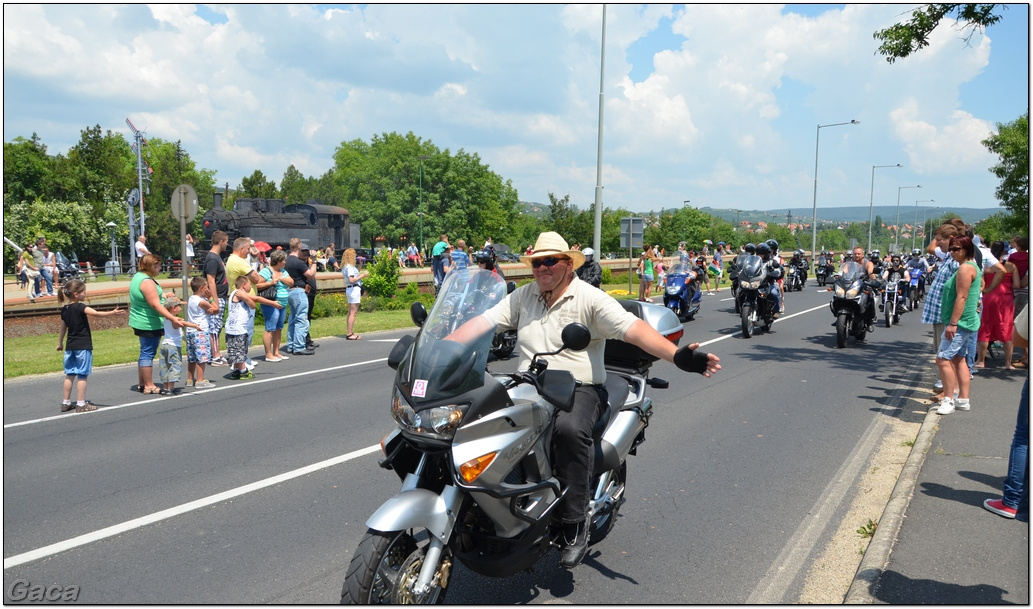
column 746, row 314
column 841, row 330
column 613, row 498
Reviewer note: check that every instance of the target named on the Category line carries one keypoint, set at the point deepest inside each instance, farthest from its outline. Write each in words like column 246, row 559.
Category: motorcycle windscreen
column 850, row 272
column 442, row 368
column 752, row 268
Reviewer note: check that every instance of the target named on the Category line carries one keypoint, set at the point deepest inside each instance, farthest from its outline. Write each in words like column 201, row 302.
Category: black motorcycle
column 823, row 270
column 754, row 300
column 850, row 296
column 892, row 298
column 794, row 278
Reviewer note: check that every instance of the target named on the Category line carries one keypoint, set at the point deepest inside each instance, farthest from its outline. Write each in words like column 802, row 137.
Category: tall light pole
column 423, row 157
column 896, row 233
column 925, row 233
column 914, row 231
column 871, row 199
column 814, row 217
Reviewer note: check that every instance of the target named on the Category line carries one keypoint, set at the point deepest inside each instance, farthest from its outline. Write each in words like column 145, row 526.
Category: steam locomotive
column 276, row 223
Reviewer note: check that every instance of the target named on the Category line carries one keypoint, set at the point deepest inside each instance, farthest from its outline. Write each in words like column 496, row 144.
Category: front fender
column 418, row 508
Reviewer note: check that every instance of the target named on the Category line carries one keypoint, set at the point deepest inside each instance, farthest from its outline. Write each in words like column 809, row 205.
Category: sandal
column 87, row 407
column 155, row 391
column 353, row 337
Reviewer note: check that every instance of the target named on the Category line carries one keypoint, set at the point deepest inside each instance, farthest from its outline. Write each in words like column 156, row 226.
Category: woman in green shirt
column 147, row 315
column 958, row 304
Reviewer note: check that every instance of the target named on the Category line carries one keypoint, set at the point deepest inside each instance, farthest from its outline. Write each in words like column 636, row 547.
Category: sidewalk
column 936, row 544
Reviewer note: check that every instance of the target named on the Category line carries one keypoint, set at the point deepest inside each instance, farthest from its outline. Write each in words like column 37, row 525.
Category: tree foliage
column 257, row 186
column 1011, row 145
column 902, row 39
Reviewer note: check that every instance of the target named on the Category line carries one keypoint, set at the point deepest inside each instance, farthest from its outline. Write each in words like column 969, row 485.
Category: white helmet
column 588, row 252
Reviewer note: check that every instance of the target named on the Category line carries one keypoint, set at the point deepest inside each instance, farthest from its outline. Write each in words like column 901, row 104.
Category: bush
column 607, row 275
column 383, row 275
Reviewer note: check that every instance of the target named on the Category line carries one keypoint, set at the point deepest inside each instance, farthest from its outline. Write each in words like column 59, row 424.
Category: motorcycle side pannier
column 620, row 354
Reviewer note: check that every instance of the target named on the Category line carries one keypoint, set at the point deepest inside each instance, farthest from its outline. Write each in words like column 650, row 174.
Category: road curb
column 876, row 557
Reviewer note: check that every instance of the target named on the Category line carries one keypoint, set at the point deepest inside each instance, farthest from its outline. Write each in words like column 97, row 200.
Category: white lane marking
column 136, row 523
column 228, row 385
column 783, row 318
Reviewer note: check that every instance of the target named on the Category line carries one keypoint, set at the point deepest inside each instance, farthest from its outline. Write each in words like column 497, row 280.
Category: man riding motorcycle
column 871, row 278
column 801, row 264
column 778, row 286
column 539, row 311
column 590, row 271
column 775, row 274
column 896, row 265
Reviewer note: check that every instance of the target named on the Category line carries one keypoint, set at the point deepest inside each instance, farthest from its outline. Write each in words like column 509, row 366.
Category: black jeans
column 575, row 450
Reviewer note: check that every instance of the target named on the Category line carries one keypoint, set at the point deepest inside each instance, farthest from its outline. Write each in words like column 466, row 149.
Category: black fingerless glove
column 691, row 361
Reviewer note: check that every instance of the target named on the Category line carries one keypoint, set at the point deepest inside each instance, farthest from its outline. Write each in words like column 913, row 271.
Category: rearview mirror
column 418, row 313
column 576, row 336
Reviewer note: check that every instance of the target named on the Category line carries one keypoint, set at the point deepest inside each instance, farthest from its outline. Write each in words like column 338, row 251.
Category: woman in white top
column 353, row 289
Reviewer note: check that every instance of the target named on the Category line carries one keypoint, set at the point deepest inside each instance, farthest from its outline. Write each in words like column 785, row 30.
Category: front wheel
column 841, row 330
column 746, row 314
column 889, row 314
column 385, row 567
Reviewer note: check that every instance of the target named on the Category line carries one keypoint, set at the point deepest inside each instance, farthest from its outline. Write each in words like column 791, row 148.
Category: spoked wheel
column 746, row 313
column 889, row 314
column 384, row 570
column 841, row 330
column 612, row 498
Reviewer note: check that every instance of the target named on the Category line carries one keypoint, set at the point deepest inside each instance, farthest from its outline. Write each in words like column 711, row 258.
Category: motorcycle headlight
column 840, row 292
column 750, row 285
column 440, row 421
column 852, row 292
column 673, row 290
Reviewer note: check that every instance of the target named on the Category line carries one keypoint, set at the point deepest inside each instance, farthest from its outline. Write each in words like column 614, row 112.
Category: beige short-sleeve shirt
column 539, row 329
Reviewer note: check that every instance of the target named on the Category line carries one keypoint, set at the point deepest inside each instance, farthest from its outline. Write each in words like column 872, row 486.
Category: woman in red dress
column 998, row 318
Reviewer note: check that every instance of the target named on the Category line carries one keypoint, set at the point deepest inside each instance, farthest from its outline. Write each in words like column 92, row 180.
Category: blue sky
column 717, row 104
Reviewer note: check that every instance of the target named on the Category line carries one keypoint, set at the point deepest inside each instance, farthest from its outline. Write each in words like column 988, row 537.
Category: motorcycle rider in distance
column 775, row 274
column 779, row 285
column 871, row 277
column 539, row 311
column 801, row 264
column 486, row 260
column 897, row 266
column 590, row 271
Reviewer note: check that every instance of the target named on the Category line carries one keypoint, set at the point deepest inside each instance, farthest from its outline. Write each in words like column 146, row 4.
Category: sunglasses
column 549, row 262
column 955, row 249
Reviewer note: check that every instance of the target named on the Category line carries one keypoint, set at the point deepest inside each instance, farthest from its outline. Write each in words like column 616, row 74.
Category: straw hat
column 551, row 244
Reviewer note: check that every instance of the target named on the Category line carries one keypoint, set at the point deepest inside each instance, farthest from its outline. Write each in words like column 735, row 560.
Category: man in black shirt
column 299, row 269
column 219, row 290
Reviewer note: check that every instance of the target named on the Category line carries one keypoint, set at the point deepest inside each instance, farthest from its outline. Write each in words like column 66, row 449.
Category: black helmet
column 751, row 249
column 773, row 245
column 874, row 256
column 916, row 252
column 482, row 257
column 763, row 250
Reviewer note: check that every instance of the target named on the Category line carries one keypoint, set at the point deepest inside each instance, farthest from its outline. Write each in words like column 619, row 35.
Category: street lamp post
column 423, row 157
column 814, row 217
column 914, row 231
column 896, row 233
column 871, row 200
column 925, row 233
column 114, row 253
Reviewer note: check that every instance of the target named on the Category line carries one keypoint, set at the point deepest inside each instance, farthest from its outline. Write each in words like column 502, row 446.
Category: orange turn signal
column 475, row 467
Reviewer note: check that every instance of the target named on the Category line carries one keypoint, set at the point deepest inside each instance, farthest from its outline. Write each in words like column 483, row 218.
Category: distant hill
column 838, row 215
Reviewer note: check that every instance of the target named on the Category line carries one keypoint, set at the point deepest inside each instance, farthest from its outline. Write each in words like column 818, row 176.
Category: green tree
column 257, row 186
column 1011, row 145
column 902, row 39
column 296, row 188
column 173, row 166
column 27, row 168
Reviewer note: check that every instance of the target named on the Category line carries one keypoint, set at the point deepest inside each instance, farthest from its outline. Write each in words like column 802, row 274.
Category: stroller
column 67, row 269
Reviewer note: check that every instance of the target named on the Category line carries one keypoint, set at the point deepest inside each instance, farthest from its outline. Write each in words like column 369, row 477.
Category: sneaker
column 962, row 404
column 997, row 507
column 67, row 407
column 205, row 384
column 575, row 540
column 305, row 352
column 235, row 375
column 946, row 406
column 938, row 385
column 220, row 361
column 311, row 345
column 250, row 365
column 246, row 376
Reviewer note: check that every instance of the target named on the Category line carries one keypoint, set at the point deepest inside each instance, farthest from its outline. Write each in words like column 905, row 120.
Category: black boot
column 575, row 540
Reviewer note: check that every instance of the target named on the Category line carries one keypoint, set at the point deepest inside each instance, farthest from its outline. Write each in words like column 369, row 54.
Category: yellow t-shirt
column 235, row 267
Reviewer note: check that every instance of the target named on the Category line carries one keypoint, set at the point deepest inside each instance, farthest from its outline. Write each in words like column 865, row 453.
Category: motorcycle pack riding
column 474, row 453
column 682, row 294
column 754, row 302
column 850, row 296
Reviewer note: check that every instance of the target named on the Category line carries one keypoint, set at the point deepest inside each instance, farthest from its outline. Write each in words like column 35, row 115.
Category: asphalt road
column 256, row 492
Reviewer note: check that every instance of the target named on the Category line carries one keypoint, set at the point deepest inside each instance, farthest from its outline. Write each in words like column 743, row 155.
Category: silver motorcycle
column 474, row 451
